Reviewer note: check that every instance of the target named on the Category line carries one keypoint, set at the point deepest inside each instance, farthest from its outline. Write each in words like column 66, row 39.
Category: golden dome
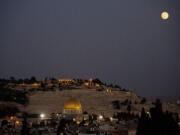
column 73, row 104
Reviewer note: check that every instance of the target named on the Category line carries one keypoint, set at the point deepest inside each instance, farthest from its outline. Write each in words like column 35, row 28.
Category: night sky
column 123, row 42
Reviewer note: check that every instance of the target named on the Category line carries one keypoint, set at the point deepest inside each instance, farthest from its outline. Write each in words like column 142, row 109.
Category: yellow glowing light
column 90, row 79
column 11, row 118
column 73, row 104
column 111, row 118
column 86, row 84
column 65, row 80
column 17, row 122
column 97, row 85
column 164, row 15
column 36, row 84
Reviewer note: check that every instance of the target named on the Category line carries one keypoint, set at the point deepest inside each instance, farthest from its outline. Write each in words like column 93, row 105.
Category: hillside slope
column 92, row 101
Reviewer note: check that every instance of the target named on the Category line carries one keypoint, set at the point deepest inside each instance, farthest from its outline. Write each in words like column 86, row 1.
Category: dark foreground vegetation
column 9, row 95
column 157, row 122
column 9, row 110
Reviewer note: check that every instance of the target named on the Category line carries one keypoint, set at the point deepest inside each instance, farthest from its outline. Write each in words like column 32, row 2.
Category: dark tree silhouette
column 85, row 112
column 4, row 123
column 157, row 122
column 116, row 104
column 143, row 101
column 117, row 86
column 33, row 79
column 9, row 110
column 20, row 81
column 12, row 80
column 125, row 102
column 143, row 124
column 129, row 108
column 25, row 129
column 61, row 127
column 13, row 96
column 97, row 80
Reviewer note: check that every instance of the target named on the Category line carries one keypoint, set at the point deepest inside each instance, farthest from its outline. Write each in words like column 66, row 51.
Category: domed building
column 72, row 106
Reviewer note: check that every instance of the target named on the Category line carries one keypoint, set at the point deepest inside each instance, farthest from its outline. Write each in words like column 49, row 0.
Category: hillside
column 92, row 101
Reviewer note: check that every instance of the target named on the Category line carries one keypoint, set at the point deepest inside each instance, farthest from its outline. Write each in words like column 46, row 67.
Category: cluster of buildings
column 49, row 83
column 72, row 111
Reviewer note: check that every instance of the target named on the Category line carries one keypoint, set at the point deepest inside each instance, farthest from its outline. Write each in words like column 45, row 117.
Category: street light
column 111, row 118
column 100, row 117
column 42, row 115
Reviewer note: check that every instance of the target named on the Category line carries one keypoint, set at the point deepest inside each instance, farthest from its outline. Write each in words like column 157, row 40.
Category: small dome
column 73, row 104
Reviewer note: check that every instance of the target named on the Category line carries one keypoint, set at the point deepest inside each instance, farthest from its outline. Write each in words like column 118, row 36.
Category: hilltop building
column 72, row 107
column 90, row 83
column 73, row 110
column 65, row 80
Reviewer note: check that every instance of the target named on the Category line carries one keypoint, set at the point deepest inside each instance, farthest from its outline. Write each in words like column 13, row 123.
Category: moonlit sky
column 119, row 41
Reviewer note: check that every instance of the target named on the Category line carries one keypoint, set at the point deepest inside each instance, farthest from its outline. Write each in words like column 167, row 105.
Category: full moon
column 164, row 15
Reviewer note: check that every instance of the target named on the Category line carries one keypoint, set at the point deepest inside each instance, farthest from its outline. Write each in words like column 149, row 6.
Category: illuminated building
column 86, row 84
column 97, row 85
column 65, row 80
column 36, row 84
column 90, row 83
column 30, row 85
column 17, row 122
column 72, row 106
